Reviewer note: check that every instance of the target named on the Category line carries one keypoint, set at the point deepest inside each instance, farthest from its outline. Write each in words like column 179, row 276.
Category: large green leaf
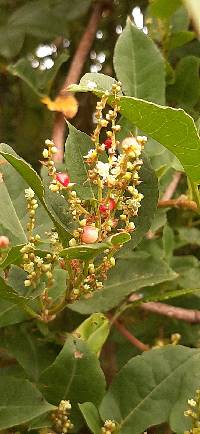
column 39, row 81
column 139, row 65
column 20, row 402
column 10, row 224
column 67, row 377
column 77, row 145
column 173, row 128
column 133, row 273
column 30, row 352
column 153, row 388
column 34, row 181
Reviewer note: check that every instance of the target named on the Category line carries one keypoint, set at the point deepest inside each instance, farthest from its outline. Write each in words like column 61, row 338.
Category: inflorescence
column 194, row 413
column 113, row 170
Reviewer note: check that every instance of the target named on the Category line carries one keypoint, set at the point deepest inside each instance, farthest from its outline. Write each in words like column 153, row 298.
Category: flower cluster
column 113, row 170
column 61, row 421
column 194, row 413
column 109, row 427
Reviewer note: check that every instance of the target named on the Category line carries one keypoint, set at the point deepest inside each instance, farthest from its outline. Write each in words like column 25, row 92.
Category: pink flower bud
column 107, row 207
column 4, row 242
column 89, row 234
column 63, row 178
column 103, row 208
column 112, row 204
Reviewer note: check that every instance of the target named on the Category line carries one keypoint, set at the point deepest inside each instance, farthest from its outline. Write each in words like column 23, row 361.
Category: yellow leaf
column 67, row 104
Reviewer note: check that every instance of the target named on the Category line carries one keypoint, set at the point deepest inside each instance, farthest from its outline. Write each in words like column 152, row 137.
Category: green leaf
column 39, row 81
column 186, row 89
column 153, row 388
column 84, row 252
column 34, row 181
column 133, row 273
column 8, row 293
column 9, row 220
column 93, row 82
column 75, row 375
column 14, row 256
column 139, row 65
column 178, row 39
column 77, row 145
column 91, row 416
column 11, row 313
column 120, row 238
column 164, row 8
column 94, row 330
column 20, row 402
column 158, row 122
column 31, row 353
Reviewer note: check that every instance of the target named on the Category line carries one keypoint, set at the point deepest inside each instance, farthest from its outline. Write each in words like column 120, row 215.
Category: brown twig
column 74, row 73
column 171, row 188
column 187, row 315
column 131, row 338
column 178, row 203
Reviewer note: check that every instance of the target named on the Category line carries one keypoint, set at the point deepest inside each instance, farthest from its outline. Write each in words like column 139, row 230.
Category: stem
column 179, row 203
column 171, row 188
column 131, row 338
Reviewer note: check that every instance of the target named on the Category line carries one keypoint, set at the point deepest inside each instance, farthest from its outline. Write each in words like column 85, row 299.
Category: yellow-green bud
column 45, row 153
column 72, row 242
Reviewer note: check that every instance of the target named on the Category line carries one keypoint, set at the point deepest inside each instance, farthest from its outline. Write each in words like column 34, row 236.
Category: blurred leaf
column 47, row 20
column 133, row 273
column 91, row 416
column 164, row 8
column 139, row 65
column 153, row 394
column 186, row 89
column 178, row 39
column 189, row 235
column 20, row 402
column 39, row 81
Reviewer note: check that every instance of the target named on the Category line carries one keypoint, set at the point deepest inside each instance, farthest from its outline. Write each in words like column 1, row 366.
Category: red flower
column 108, row 143
column 105, row 207
column 63, row 179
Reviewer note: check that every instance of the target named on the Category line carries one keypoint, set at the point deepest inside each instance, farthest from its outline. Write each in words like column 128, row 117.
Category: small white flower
column 39, row 261
column 91, row 153
column 91, row 85
column 103, row 169
column 29, row 193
